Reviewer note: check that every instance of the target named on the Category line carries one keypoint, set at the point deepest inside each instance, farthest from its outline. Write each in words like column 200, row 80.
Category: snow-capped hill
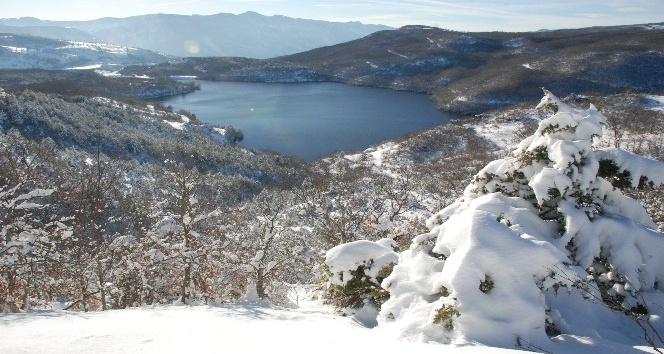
column 29, row 52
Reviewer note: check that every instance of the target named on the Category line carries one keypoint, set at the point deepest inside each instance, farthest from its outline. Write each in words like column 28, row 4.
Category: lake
column 310, row 120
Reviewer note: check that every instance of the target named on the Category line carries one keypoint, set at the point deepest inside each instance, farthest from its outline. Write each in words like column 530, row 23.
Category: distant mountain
column 53, row 32
column 30, row 52
column 246, row 35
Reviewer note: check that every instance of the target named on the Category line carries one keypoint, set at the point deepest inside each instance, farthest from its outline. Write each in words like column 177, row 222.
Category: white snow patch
column 15, row 49
column 86, row 67
column 501, row 134
column 108, row 73
column 176, row 125
column 376, row 155
column 105, row 47
column 397, row 54
column 515, row 43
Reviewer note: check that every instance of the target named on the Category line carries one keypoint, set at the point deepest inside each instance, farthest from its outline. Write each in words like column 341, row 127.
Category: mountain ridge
column 249, row 34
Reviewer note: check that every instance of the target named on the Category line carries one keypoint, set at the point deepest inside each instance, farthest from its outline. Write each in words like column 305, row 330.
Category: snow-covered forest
column 456, row 235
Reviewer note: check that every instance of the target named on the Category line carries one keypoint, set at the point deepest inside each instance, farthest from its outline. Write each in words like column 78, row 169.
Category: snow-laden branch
column 637, row 166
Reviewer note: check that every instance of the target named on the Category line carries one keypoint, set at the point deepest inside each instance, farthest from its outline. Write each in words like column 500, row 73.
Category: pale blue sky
column 472, row 15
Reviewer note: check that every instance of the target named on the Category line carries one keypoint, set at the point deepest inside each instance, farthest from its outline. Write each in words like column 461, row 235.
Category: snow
column 108, row 73
column 500, row 133
column 244, row 328
column 15, row 49
column 656, row 103
column 86, row 67
column 546, row 238
column 110, row 48
column 176, row 125
column 638, row 166
column 397, row 54
column 515, row 43
column 375, row 155
column 346, row 257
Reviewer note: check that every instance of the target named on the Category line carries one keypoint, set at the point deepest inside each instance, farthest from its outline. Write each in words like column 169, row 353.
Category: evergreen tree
column 542, row 242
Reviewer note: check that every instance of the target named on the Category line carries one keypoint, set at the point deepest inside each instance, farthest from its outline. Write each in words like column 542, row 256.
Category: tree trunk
column 102, row 284
column 9, row 299
column 185, row 281
column 260, row 285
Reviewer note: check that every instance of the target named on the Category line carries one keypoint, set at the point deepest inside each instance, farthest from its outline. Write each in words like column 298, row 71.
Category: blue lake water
column 310, row 120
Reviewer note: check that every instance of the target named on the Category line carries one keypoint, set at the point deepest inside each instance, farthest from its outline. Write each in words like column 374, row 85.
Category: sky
column 469, row 15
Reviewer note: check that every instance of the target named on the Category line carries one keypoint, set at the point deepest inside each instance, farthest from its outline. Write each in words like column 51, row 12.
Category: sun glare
column 192, row 46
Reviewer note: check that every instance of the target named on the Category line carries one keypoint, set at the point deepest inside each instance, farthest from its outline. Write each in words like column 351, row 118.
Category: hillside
column 30, row 52
column 247, row 35
column 472, row 72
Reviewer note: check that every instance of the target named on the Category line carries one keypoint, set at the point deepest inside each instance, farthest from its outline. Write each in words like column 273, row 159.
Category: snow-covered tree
column 542, row 243
column 182, row 237
column 29, row 228
column 355, row 271
column 266, row 247
column 91, row 190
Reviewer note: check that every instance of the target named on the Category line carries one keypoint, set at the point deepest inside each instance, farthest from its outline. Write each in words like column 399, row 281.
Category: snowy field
column 199, row 329
column 310, row 328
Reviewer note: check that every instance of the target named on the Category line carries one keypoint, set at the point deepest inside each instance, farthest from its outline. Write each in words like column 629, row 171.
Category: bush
column 356, row 270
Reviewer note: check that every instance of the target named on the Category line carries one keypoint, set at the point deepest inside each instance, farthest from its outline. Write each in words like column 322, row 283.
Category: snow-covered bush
column 541, row 243
column 356, row 270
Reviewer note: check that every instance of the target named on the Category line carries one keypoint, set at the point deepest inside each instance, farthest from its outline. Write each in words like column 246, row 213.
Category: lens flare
column 192, row 46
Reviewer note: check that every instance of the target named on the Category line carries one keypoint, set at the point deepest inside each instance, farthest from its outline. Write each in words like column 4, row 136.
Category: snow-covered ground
column 311, row 327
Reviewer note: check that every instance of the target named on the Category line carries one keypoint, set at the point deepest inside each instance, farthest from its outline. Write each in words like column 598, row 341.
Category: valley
column 534, row 182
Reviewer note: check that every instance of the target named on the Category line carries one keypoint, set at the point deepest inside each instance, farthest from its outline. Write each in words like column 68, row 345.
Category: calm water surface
column 310, row 120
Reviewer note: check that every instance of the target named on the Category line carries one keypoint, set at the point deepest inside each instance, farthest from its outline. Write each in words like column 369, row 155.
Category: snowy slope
column 29, row 52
